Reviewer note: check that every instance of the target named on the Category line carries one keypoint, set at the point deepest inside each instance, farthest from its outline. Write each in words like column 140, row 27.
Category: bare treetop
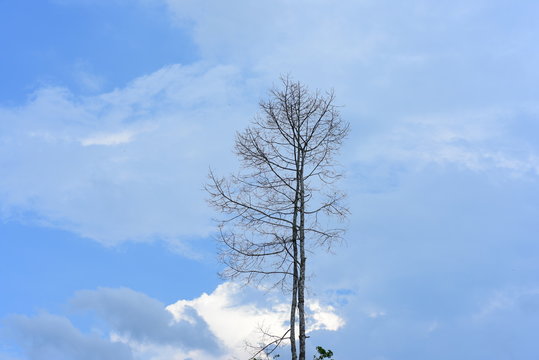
column 274, row 206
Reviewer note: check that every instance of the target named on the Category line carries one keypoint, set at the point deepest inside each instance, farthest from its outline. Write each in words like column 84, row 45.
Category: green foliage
column 323, row 354
column 267, row 357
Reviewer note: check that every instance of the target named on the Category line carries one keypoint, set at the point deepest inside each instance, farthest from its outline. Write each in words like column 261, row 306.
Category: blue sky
column 111, row 113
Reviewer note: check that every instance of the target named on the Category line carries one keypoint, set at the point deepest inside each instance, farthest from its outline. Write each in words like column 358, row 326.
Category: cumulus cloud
column 324, row 317
column 47, row 336
column 231, row 305
column 142, row 319
column 135, row 326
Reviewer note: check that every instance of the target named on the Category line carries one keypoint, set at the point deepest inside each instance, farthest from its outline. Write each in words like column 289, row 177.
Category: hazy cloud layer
column 442, row 165
column 126, row 165
column 421, row 82
column 427, row 251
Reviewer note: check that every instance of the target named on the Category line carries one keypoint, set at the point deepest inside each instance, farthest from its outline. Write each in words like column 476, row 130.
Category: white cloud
column 324, row 317
column 229, row 307
column 210, row 327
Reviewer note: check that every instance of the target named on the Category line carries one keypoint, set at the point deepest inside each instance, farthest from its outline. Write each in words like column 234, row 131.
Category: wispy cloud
column 481, row 141
column 123, row 137
column 125, row 165
column 524, row 300
column 86, row 78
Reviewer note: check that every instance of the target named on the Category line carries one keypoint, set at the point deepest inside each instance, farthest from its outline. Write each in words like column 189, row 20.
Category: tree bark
column 294, row 304
column 303, row 259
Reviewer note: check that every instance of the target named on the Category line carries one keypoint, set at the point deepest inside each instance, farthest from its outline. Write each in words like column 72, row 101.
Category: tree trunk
column 301, row 283
column 294, row 301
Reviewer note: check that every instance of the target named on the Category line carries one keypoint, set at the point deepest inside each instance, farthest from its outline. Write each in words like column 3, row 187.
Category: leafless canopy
column 281, row 202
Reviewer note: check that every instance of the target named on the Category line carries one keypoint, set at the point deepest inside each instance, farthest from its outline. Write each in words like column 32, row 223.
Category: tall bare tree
column 280, row 205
